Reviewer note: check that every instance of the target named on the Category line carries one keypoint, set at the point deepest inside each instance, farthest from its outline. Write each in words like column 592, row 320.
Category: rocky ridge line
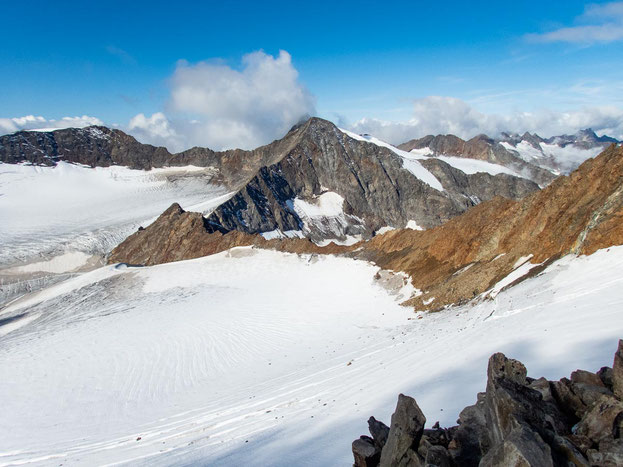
column 517, row 421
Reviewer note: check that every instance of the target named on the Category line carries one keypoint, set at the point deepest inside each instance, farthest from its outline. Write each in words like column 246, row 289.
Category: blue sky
column 355, row 60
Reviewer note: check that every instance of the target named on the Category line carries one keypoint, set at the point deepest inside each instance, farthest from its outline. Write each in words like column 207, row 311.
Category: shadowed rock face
column 179, row 235
column 518, row 421
column 376, row 189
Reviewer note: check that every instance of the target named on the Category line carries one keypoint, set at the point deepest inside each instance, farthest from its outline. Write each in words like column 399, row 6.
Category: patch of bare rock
column 517, row 421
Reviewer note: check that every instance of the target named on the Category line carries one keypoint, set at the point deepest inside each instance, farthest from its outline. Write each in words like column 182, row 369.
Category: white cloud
column 31, row 122
column 608, row 28
column 156, row 130
column 242, row 109
column 443, row 115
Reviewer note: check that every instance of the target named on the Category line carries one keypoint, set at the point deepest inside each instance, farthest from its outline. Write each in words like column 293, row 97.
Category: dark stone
column 470, row 440
column 365, row 452
column 522, row 447
column 438, row 456
column 610, row 453
column 569, row 402
column 589, row 394
column 602, row 421
column 566, row 453
column 509, row 402
column 379, row 431
column 404, row 434
column 605, row 374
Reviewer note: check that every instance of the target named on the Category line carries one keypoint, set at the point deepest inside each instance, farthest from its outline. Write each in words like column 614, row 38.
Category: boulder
column 605, row 374
column 437, row 456
column 509, row 402
column 569, row 402
column 379, row 432
column 522, row 447
column 404, row 434
column 610, row 453
column 470, row 439
column 586, row 377
column 366, row 452
column 603, row 421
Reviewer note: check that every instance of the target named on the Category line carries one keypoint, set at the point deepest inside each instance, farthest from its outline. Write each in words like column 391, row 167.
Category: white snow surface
column 413, row 225
column 254, row 357
column 409, row 160
column 472, row 166
column 51, row 211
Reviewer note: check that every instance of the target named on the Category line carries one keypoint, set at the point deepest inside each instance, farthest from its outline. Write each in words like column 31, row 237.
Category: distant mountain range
column 325, row 183
column 526, row 153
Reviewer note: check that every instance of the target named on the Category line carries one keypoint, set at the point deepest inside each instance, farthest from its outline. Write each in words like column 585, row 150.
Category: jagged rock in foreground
column 517, row 421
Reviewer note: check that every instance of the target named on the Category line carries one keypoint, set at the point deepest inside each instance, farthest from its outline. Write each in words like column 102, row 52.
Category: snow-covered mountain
column 537, row 158
column 317, row 181
column 559, row 154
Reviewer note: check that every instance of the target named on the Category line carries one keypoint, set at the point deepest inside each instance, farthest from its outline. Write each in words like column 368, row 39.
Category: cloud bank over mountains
column 221, row 107
column 449, row 115
column 216, row 105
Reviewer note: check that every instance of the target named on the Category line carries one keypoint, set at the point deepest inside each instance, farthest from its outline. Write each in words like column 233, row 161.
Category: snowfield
column 49, row 211
column 254, row 357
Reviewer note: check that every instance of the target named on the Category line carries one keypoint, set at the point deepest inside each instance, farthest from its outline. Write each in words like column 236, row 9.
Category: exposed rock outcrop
column 470, row 254
column 517, row 421
column 178, row 235
column 540, row 159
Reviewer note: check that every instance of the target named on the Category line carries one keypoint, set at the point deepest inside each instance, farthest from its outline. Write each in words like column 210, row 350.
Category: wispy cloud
column 121, row 54
column 598, row 24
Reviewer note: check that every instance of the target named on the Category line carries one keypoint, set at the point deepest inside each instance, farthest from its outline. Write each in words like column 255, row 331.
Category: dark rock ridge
column 314, row 158
column 179, row 235
column 376, row 190
column 517, row 421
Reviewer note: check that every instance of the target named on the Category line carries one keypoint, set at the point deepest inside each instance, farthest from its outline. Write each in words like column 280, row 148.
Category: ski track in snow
column 254, row 357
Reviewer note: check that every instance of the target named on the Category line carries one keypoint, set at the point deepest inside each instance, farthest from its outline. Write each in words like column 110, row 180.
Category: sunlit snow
column 254, row 357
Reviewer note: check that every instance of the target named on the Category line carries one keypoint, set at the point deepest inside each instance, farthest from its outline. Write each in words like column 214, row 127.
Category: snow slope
column 410, row 161
column 254, row 357
column 50, row 211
